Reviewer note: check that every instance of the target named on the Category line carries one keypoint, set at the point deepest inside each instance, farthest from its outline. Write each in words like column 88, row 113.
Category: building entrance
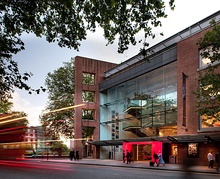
column 142, row 150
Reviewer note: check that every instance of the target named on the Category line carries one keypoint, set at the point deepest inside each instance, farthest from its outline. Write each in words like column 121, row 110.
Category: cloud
column 24, row 105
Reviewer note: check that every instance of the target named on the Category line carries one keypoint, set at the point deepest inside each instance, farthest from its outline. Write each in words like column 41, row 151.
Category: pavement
column 135, row 164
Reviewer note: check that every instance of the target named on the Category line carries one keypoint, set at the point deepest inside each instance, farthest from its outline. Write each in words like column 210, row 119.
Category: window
column 88, row 114
column 209, row 102
column 210, row 121
column 184, row 77
column 203, row 61
column 88, row 78
column 88, row 96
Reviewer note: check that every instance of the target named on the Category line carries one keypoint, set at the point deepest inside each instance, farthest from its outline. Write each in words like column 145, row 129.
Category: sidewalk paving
column 135, row 164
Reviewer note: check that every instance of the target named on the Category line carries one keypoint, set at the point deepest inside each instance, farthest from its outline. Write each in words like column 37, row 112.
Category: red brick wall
column 98, row 68
column 188, row 63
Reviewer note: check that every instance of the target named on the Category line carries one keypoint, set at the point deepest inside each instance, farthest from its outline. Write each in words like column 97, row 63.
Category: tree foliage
column 208, row 94
column 58, row 119
column 67, row 23
column 5, row 106
column 59, row 146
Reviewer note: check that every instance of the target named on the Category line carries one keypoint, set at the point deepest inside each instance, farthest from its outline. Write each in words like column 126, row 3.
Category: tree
column 67, row 22
column 58, row 118
column 60, row 147
column 208, row 95
column 5, row 106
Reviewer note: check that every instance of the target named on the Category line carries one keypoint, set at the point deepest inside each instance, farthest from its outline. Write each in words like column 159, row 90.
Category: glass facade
column 147, row 101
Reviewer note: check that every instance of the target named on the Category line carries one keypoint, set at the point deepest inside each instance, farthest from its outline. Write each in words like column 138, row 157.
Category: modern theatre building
column 146, row 104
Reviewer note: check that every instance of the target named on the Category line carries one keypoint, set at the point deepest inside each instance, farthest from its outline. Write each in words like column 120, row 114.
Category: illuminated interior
column 142, row 150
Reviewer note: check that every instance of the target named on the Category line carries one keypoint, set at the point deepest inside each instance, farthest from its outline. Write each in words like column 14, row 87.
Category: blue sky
column 41, row 57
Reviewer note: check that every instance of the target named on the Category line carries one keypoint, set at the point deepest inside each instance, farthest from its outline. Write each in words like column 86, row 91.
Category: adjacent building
column 88, row 75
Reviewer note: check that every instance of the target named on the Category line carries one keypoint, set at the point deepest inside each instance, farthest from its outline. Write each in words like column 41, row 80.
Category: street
column 47, row 170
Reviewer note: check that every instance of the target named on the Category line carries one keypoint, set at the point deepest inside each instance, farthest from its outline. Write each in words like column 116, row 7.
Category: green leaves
column 66, row 22
column 208, row 94
column 60, row 87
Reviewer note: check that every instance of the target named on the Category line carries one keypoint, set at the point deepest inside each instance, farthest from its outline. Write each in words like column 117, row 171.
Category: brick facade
column 188, row 63
column 97, row 68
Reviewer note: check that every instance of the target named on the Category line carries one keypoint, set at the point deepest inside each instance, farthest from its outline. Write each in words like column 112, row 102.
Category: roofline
column 185, row 33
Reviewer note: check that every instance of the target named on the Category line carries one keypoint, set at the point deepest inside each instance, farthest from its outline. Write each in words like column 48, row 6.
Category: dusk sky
column 41, row 57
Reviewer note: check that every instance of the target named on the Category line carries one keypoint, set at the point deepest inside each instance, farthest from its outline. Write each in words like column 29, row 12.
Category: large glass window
column 205, row 62
column 147, row 101
column 210, row 121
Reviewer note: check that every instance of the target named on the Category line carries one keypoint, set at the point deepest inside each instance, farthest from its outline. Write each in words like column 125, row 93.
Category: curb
column 140, row 167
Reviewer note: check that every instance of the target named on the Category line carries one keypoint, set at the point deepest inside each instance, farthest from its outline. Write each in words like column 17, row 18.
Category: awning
column 205, row 137
column 121, row 141
column 106, row 142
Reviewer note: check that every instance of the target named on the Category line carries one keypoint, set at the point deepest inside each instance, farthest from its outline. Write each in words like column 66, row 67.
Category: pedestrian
column 217, row 159
column 160, row 159
column 131, row 157
column 74, row 157
column 71, row 155
column 155, row 158
column 77, row 155
column 124, row 157
column 210, row 158
column 34, row 153
column 128, row 157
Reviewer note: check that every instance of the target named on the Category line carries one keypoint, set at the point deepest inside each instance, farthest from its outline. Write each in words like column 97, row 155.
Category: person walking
column 210, row 158
column 71, row 155
column 155, row 158
column 128, row 157
column 160, row 159
column 217, row 159
column 74, row 156
column 77, row 155
column 131, row 157
column 124, row 157
column 34, row 153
